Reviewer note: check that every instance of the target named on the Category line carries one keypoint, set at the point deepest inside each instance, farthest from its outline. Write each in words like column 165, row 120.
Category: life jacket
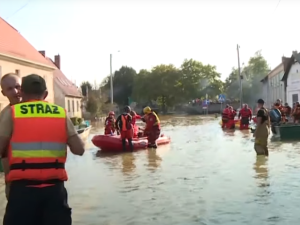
column 245, row 113
column 126, row 125
column 225, row 113
column 157, row 123
column 231, row 115
column 109, row 122
column 38, row 146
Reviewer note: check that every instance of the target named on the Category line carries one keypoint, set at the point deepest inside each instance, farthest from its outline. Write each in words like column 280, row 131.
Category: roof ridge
column 3, row 20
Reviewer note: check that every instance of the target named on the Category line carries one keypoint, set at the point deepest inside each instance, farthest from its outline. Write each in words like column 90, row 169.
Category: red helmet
column 112, row 113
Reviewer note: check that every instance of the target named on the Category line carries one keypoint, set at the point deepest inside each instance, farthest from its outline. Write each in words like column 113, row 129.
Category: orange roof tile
column 12, row 43
column 67, row 87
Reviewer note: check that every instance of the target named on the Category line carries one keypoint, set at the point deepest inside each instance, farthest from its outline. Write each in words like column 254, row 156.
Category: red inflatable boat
column 114, row 142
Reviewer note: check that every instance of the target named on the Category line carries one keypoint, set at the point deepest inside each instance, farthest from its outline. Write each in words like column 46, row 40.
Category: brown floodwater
column 205, row 176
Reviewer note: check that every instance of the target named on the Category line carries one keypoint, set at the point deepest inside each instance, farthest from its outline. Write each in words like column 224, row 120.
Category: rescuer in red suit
column 245, row 115
column 124, row 125
column 110, row 123
column 231, row 114
column 152, row 130
column 133, row 122
column 225, row 115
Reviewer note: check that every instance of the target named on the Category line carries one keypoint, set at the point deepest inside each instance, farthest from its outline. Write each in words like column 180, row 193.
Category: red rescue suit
column 231, row 124
column 245, row 115
column 225, row 115
column 152, row 130
column 109, row 125
column 133, row 122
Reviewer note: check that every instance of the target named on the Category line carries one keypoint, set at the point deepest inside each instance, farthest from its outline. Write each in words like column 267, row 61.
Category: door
column 295, row 97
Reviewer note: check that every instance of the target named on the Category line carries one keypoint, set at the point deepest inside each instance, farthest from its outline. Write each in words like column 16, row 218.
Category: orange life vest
column 126, row 125
column 38, row 146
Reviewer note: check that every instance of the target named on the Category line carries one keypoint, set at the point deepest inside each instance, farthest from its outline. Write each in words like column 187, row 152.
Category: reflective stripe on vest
column 157, row 123
column 38, row 146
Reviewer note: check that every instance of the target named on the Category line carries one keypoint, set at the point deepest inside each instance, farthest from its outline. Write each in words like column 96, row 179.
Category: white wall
column 73, row 106
column 293, row 84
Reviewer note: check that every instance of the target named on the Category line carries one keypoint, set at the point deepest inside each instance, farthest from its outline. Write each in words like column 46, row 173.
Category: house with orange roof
column 66, row 93
column 18, row 56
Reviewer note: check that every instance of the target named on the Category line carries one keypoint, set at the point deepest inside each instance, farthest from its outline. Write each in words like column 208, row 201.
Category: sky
column 152, row 32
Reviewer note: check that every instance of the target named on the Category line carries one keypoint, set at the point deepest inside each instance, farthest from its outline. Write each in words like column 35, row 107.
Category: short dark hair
column 260, row 101
column 33, row 84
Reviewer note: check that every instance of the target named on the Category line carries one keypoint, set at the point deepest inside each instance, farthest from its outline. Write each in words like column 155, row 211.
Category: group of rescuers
column 34, row 135
column 126, row 126
column 262, row 120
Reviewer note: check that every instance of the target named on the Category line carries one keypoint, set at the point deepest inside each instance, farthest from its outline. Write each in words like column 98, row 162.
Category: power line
column 277, row 5
column 18, row 10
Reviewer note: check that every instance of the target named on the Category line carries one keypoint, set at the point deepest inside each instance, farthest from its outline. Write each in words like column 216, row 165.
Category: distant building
column 291, row 79
column 66, row 93
column 273, row 86
column 18, row 56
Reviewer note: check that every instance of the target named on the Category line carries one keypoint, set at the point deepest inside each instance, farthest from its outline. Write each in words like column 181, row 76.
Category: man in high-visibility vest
column 37, row 133
column 11, row 89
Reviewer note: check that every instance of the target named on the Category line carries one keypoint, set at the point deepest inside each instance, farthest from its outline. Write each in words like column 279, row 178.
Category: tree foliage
column 168, row 86
column 95, row 98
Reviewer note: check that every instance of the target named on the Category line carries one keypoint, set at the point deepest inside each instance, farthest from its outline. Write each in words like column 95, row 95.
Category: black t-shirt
column 263, row 113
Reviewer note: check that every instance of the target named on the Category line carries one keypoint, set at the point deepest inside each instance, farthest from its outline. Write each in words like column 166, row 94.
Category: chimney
column 43, row 53
column 295, row 53
column 57, row 61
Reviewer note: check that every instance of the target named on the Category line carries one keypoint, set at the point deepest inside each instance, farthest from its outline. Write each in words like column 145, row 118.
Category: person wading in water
column 262, row 131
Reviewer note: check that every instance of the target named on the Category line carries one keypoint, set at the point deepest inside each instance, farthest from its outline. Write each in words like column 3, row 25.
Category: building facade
column 18, row 56
column 293, row 83
column 273, row 86
column 66, row 93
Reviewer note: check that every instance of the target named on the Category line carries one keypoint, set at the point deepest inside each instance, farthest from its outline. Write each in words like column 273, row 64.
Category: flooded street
column 205, row 176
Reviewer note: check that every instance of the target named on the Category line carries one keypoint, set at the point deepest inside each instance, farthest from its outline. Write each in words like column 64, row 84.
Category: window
column 73, row 106
column 295, row 98
column 69, row 107
column 77, row 106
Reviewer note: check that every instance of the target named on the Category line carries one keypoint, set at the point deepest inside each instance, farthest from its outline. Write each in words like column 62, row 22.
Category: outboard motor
column 275, row 118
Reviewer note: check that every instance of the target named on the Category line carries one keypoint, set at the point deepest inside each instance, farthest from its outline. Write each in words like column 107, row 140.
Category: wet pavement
column 205, row 176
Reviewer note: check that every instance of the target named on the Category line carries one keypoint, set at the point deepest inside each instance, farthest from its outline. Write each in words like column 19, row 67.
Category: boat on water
column 113, row 143
column 83, row 130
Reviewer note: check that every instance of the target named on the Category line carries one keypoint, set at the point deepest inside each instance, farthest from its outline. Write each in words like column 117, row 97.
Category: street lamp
column 111, row 82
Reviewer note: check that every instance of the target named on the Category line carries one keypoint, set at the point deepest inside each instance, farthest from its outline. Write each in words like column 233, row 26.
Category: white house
column 292, row 79
column 273, row 85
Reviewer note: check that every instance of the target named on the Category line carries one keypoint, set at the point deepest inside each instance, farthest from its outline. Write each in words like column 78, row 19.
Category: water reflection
column 128, row 163
column 153, row 159
column 261, row 171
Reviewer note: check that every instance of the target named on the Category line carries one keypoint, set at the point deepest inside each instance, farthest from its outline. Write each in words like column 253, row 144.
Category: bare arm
column 6, row 128
column 74, row 142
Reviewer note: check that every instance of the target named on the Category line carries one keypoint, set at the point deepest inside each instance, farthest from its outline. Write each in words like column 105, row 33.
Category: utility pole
column 111, row 83
column 240, row 76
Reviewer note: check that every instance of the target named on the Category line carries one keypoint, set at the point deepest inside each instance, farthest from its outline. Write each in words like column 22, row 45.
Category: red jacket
column 152, row 121
column 245, row 113
column 225, row 113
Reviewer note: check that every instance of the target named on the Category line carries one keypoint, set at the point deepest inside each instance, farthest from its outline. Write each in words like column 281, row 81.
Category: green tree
column 123, row 81
column 85, row 86
column 198, row 79
column 96, row 101
column 256, row 69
